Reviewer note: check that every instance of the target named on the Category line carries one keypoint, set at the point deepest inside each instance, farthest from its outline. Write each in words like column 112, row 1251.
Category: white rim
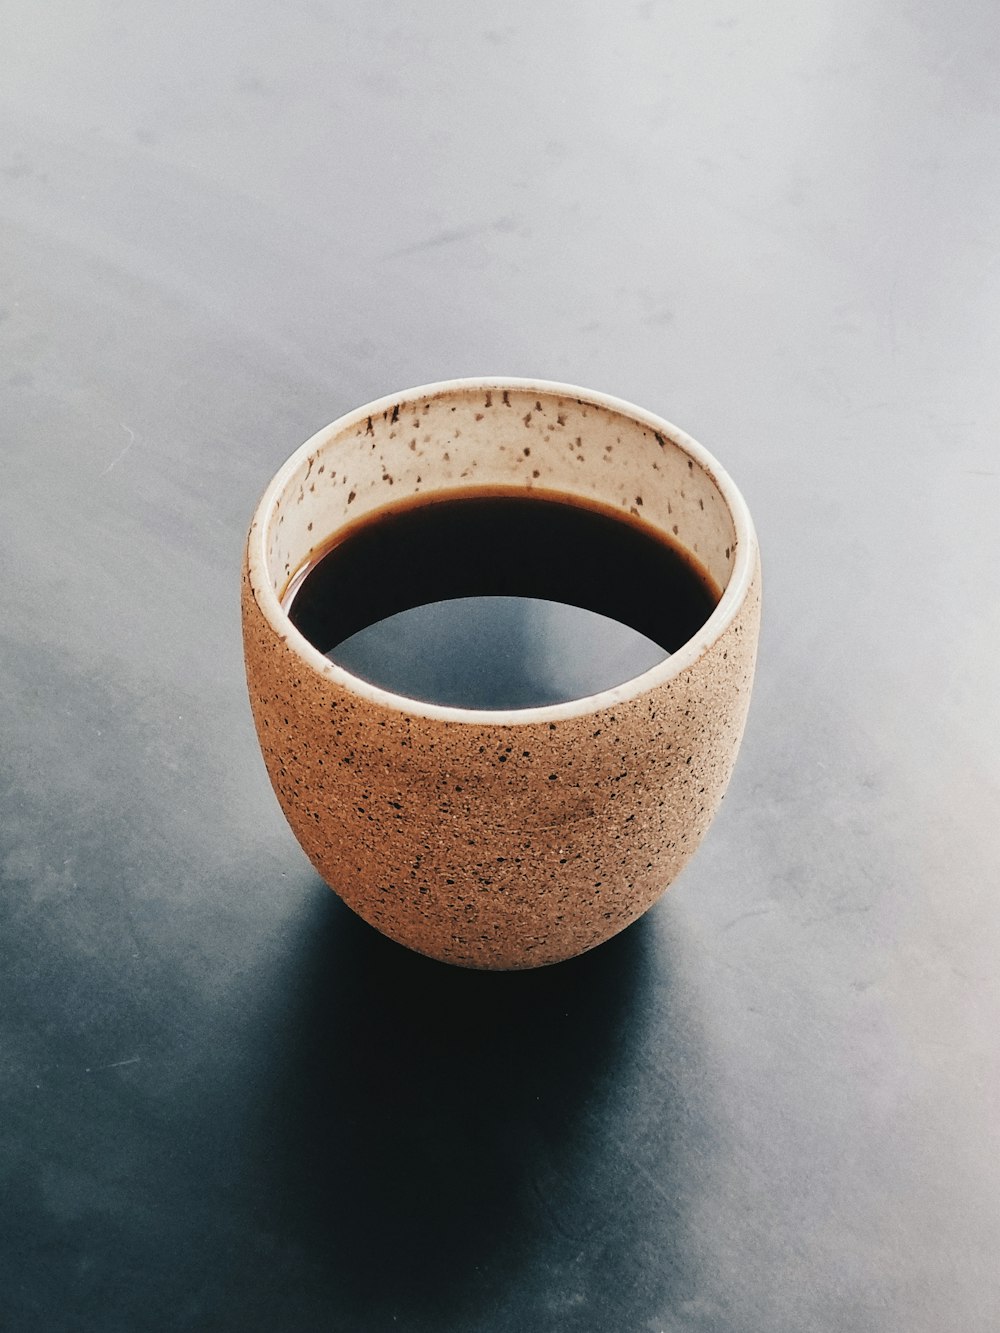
column 732, row 598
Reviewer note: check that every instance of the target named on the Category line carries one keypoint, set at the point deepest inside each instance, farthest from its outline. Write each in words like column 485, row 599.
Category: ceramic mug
column 501, row 838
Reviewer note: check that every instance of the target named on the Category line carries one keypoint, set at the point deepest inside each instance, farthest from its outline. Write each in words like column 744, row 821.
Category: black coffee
column 499, row 600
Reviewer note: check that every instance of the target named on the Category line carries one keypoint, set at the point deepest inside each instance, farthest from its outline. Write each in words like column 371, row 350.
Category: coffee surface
column 499, row 600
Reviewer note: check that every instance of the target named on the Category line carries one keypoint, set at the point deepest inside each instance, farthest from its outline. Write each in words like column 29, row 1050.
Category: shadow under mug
column 501, row 838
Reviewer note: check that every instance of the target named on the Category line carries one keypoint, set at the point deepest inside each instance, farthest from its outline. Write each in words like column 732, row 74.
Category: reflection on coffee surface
column 499, row 599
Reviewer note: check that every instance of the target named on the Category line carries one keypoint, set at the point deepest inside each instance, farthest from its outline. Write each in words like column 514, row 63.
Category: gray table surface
column 226, row 1103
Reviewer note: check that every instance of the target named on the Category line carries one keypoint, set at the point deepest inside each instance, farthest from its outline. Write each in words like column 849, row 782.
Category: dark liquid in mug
column 499, row 600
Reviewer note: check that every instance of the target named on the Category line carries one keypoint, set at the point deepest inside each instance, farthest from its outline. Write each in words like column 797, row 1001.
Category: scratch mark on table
column 119, row 456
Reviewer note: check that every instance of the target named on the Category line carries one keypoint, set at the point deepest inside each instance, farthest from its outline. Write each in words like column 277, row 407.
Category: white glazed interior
column 474, row 434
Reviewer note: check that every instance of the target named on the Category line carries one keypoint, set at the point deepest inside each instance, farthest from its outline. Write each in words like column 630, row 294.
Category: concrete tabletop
column 225, row 1103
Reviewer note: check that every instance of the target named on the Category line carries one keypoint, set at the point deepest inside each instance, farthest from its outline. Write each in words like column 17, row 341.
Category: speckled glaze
column 484, row 838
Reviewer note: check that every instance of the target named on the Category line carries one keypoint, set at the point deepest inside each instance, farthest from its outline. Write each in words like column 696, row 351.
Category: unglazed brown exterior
column 485, row 838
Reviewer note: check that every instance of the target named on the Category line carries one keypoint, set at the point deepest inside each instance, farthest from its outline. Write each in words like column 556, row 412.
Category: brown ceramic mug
column 489, row 838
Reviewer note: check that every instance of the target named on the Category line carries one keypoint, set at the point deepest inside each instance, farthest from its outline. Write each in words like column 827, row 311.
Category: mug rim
column 729, row 604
